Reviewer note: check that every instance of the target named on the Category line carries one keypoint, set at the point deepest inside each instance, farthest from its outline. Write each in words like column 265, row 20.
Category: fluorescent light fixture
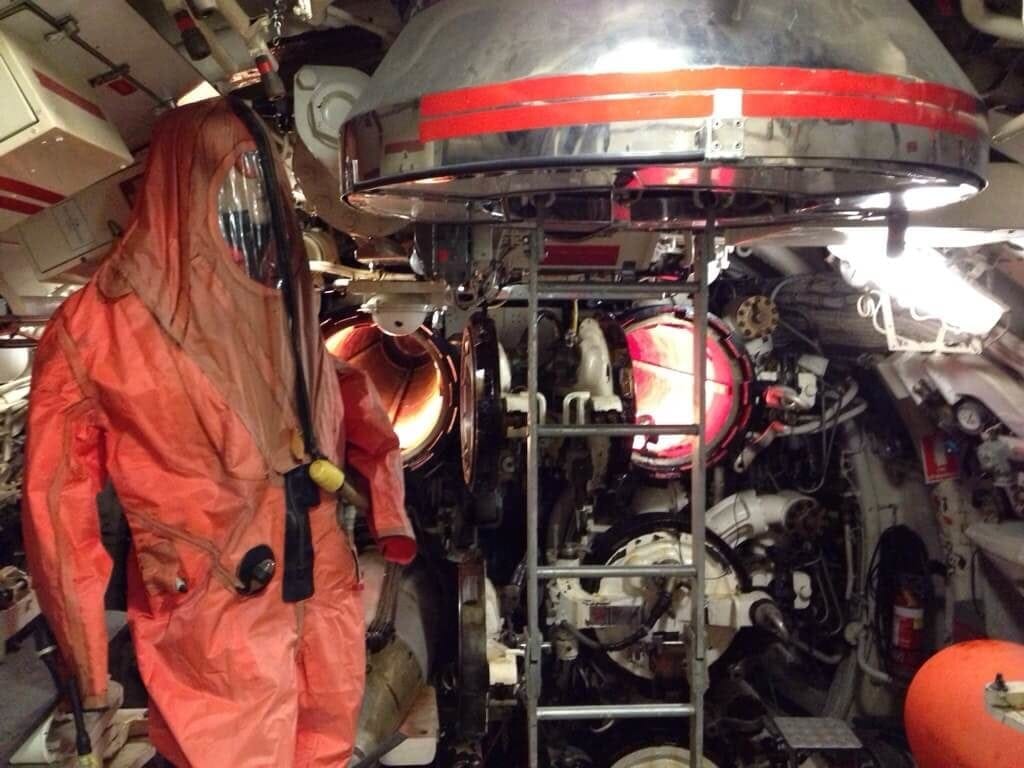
column 924, row 282
column 639, row 55
column 917, row 199
column 201, row 91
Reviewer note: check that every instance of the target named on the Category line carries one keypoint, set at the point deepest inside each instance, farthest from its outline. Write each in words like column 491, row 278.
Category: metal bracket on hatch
column 725, row 138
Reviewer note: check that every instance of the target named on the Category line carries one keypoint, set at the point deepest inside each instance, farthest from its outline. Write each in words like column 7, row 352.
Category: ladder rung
column 615, row 430
column 611, row 712
column 683, row 570
column 571, row 291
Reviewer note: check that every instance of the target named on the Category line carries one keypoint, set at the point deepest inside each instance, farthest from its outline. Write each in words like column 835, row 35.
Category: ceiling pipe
column 983, row 19
column 1010, row 130
column 783, row 260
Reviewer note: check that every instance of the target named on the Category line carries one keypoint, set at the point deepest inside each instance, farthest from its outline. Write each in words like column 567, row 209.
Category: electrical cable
column 783, row 283
column 800, row 335
column 979, row 608
column 828, row 443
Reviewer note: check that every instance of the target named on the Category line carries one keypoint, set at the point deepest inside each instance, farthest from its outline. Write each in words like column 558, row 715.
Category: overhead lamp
column 924, row 282
column 201, row 91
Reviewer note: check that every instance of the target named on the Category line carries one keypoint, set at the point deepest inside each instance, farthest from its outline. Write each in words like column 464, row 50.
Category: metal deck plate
column 817, row 733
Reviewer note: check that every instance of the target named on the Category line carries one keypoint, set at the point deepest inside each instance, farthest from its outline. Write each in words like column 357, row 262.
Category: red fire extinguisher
column 908, row 614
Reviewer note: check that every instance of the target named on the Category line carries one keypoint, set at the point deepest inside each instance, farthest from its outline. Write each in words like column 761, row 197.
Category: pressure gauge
column 971, row 416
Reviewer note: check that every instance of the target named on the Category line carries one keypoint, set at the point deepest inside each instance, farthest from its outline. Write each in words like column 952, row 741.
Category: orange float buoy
column 946, row 719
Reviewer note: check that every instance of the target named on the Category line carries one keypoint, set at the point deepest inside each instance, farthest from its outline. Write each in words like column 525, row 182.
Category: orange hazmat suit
column 173, row 375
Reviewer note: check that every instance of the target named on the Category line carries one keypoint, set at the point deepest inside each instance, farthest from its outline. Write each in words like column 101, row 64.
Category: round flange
column 621, row 449
column 414, row 376
column 660, row 342
column 480, row 412
column 755, row 317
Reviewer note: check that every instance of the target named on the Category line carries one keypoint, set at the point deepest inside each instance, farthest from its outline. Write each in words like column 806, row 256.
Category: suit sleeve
column 64, row 471
column 372, row 449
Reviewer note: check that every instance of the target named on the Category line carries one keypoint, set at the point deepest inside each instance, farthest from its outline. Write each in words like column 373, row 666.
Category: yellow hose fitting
column 327, row 475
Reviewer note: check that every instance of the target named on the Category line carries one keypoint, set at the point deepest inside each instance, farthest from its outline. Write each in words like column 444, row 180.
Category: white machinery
column 54, row 139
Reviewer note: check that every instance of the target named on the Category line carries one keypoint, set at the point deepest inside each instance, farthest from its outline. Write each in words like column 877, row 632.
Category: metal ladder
column 692, row 572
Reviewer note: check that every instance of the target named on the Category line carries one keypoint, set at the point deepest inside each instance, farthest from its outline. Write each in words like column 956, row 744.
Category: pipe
column 533, row 651
column 218, row 52
column 816, row 426
column 698, row 661
column 620, row 711
column 837, row 411
column 841, row 692
column 20, row 320
column 254, row 34
column 851, row 573
column 561, row 512
column 1008, row 349
column 782, row 259
column 778, row 429
column 862, row 661
column 747, row 514
column 42, row 306
column 862, row 463
column 396, row 674
column 824, row 658
column 981, row 18
column 1010, row 130
column 238, row 20
column 20, row 343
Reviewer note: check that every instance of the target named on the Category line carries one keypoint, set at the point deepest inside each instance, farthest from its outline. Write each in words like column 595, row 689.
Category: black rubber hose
column 661, row 605
column 718, row 547
column 46, row 650
column 283, row 247
column 611, row 541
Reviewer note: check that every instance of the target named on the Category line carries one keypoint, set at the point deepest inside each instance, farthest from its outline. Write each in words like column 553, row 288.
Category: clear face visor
column 243, row 209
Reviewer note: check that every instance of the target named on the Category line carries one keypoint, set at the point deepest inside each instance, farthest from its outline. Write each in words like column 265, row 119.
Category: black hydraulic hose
column 46, row 650
column 660, row 607
column 83, row 744
column 301, row 493
column 282, row 246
